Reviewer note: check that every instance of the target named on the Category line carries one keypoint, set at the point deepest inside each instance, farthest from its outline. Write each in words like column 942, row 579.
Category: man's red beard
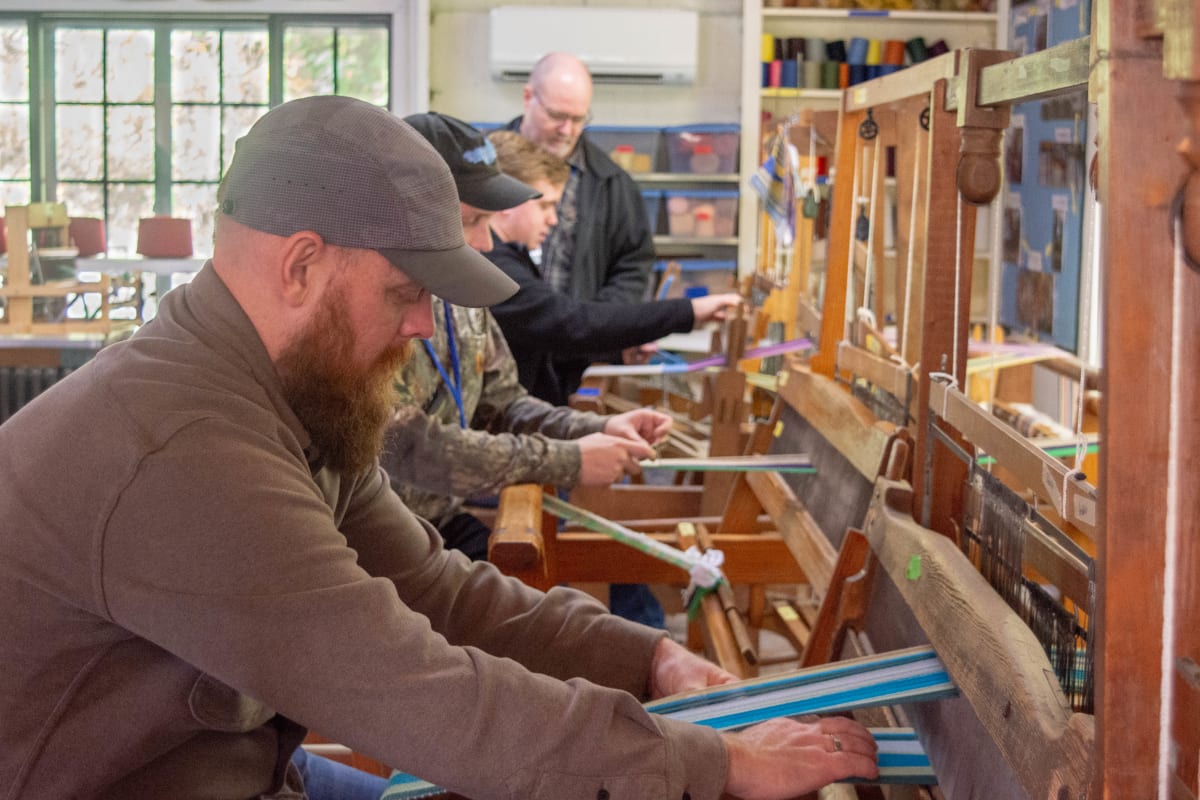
column 345, row 408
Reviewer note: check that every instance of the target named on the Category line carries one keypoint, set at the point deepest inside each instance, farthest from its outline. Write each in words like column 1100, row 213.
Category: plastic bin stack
column 697, row 277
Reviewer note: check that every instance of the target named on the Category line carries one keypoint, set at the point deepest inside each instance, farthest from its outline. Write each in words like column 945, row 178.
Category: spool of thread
column 812, row 74
column 165, row 237
column 888, row 69
column 874, row 52
column 88, row 235
column 917, row 52
column 829, row 74
column 814, row 49
column 790, row 77
column 856, row 53
column 775, row 74
column 765, row 82
column 798, row 49
column 855, row 73
column 873, row 71
column 939, row 48
column 835, row 50
column 768, row 47
column 843, row 75
column 893, row 52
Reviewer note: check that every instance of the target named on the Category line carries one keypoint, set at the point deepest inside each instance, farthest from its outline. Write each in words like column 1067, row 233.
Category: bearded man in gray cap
column 225, row 564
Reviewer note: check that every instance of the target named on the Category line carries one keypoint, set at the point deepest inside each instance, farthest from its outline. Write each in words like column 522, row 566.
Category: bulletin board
column 1045, row 162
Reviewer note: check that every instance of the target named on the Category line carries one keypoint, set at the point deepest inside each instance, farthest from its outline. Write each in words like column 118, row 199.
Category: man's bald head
column 558, row 99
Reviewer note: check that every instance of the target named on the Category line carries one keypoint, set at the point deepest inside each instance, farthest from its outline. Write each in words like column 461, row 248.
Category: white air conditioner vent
column 619, row 45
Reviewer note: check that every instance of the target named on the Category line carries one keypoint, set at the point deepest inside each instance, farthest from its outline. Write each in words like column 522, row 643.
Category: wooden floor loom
column 1013, row 732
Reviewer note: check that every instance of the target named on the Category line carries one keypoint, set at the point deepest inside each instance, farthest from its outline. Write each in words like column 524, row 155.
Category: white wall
column 461, row 85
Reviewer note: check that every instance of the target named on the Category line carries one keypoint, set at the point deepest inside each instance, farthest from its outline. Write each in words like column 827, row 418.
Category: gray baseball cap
column 361, row 177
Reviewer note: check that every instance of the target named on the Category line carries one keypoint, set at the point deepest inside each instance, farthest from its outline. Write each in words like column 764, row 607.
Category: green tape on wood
column 914, row 568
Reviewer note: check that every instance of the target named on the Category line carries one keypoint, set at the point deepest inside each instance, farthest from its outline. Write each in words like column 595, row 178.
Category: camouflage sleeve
column 421, row 452
column 505, row 406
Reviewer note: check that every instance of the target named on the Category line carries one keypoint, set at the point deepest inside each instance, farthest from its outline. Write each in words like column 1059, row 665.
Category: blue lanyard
column 455, row 386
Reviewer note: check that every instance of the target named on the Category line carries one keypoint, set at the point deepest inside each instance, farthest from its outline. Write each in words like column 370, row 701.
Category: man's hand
column 639, row 354
column 783, row 758
column 645, row 424
column 605, row 459
column 675, row 669
column 714, row 307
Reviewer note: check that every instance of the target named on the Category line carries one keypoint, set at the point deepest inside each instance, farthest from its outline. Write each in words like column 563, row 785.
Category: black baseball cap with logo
column 360, row 177
column 472, row 161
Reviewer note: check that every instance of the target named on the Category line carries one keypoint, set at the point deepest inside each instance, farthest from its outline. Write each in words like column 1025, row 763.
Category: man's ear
column 304, row 262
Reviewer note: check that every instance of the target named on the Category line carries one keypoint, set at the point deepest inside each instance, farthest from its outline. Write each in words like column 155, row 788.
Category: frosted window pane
column 77, row 66
column 197, row 202
column 14, row 194
column 14, row 141
column 82, row 199
column 195, row 67
column 363, row 64
column 127, row 203
column 195, row 143
column 244, row 57
column 14, row 62
column 307, row 62
column 130, row 143
column 236, row 122
column 79, row 131
column 130, row 66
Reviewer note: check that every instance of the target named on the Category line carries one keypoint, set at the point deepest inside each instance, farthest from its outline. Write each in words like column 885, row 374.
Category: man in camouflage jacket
column 438, row 454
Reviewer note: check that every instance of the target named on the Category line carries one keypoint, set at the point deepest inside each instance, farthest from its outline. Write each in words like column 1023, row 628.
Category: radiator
column 19, row 385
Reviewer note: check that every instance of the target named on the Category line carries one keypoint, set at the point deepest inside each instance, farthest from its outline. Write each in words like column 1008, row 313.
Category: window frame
column 406, row 42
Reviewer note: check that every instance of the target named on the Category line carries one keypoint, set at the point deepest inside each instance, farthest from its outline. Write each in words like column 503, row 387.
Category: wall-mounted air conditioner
column 619, row 45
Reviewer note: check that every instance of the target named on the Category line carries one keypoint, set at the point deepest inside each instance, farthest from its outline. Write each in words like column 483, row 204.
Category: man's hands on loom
column 626, row 440
column 675, row 669
column 783, row 758
column 604, row 458
column 646, row 424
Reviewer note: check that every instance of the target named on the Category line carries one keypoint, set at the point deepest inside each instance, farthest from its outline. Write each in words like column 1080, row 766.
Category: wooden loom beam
column 1142, row 427
column 999, row 668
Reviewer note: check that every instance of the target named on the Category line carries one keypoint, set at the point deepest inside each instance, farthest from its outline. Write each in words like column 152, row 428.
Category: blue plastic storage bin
column 699, row 275
column 702, row 149
column 652, row 198
column 634, row 149
column 702, row 214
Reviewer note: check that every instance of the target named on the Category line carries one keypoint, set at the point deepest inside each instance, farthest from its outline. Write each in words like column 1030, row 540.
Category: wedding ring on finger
column 837, row 743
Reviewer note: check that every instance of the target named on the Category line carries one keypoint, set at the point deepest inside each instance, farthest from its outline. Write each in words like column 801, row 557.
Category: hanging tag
column 811, row 205
column 862, row 226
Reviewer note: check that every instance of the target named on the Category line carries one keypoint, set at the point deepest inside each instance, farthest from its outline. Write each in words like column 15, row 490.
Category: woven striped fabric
column 402, row 786
column 902, row 759
column 901, row 676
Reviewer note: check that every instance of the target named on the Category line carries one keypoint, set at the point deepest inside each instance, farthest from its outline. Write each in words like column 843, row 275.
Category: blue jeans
column 325, row 779
column 636, row 602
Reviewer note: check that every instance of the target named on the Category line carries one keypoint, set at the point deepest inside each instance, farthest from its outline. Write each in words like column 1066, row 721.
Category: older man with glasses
column 601, row 248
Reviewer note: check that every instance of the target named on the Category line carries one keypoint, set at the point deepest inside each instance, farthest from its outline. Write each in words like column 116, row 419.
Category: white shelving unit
column 959, row 29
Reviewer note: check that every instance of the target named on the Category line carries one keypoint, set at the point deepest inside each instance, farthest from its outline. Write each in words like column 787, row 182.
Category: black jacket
column 540, row 323
column 614, row 247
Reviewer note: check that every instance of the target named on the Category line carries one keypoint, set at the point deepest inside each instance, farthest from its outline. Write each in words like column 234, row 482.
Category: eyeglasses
column 559, row 117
